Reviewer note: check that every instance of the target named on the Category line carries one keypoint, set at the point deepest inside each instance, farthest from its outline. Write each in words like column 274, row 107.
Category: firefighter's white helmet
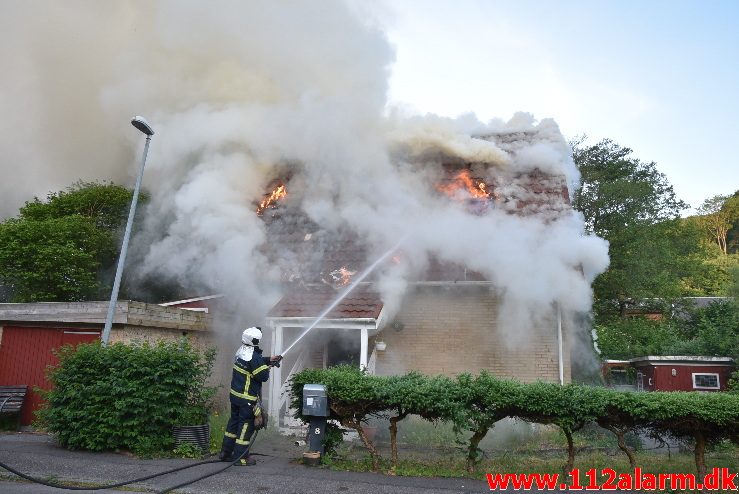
column 251, row 336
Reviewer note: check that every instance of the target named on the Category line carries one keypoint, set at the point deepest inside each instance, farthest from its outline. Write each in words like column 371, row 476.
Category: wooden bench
column 11, row 399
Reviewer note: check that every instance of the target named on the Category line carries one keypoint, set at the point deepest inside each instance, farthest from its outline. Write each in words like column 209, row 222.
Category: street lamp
column 141, row 124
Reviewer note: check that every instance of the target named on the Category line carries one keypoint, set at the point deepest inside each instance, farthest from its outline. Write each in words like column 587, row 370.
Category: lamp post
column 141, row 124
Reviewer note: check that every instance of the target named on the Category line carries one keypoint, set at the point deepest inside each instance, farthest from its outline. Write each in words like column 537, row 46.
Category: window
column 619, row 377
column 705, row 381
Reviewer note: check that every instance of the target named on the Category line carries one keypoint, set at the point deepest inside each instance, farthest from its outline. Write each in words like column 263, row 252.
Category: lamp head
column 140, row 123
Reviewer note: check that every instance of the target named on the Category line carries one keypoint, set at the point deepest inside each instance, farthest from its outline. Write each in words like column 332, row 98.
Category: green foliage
column 619, row 191
column 125, row 396
column 733, row 384
column 709, row 331
column 633, row 206
column 732, row 236
column 188, row 450
column 635, row 337
column 713, row 330
column 217, row 423
column 474, row 404
column 649, row 261
column 718, row 215
column 105, row 204
column 333, row 438
column 537, row 462
column 56, row 250
column 732, row 288
column 52, row 260
column 356, row 395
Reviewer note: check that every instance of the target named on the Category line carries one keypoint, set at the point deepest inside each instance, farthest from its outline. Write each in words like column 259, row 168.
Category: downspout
column 363, row 349
column 559, row 344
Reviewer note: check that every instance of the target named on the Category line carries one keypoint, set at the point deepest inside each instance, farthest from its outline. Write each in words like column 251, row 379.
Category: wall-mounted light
column 380, row 346
column 397, row 325
column 674, row 372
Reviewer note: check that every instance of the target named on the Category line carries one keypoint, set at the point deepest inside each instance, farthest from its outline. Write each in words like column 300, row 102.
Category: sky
column 659, row 77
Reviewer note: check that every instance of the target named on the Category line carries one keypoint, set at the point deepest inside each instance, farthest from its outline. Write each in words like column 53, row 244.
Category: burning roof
column 309, row 253
column 271, row 199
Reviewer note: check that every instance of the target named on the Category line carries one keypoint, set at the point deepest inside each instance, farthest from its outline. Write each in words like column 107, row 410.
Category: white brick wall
column 449, row 330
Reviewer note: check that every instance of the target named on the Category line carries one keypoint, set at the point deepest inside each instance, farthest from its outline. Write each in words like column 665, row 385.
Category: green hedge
column 475, row 403
column 126, row 396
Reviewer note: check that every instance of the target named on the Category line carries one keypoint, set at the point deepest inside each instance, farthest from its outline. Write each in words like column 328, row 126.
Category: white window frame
column 718, row 380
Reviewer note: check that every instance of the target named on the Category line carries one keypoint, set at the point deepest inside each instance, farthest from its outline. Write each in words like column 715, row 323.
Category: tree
column 619, row 191
column 633, row 206
column 718, row 215
column 57, row 249
column 712, row 330
column 732, row 237
column 105, row 204
column 718, row 222
column 52, row 260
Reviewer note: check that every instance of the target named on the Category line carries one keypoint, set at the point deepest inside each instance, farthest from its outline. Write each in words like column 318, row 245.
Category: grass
column 429, row 450
column 454, row 465
column 217, row 421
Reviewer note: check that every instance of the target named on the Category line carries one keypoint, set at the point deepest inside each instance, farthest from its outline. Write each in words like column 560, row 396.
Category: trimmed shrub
column 126, row 396
column 474, row 403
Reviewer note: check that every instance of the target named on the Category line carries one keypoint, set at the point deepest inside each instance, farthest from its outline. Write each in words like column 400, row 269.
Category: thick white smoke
column 242, row 93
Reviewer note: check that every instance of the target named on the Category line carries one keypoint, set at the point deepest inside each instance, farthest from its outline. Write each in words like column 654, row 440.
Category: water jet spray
column 344, row 293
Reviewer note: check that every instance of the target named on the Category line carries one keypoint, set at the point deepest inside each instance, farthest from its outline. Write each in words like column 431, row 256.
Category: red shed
column 682, row 373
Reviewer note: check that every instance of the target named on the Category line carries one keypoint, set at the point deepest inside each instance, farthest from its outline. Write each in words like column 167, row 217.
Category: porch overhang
column 360, row 312
column 349, row 323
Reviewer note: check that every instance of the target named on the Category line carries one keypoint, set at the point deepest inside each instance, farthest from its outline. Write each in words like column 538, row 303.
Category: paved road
column 38, row 456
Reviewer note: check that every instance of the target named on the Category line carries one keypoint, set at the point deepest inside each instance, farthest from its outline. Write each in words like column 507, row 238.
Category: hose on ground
column 140, row 479
column 107, row 486
column 205, row 476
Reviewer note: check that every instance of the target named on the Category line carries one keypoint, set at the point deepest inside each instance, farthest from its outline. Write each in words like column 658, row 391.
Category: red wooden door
column 25, row 353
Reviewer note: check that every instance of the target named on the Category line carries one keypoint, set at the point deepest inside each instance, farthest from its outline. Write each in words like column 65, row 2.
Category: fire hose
column 148, row 477
column 140, row 479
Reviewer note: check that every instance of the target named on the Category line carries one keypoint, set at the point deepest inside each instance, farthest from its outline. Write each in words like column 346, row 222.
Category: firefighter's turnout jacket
column 247, row 377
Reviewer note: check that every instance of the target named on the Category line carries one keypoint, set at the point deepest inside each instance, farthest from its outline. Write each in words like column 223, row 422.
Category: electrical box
column 315, row 401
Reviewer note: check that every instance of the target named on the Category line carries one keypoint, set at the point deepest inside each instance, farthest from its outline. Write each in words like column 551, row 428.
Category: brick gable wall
column 453, row 329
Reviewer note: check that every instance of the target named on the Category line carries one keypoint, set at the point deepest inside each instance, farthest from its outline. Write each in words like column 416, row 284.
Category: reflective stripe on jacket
column 247, row 377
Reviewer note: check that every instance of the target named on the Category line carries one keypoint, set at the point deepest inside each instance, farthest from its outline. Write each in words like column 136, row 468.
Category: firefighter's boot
column 247, row 461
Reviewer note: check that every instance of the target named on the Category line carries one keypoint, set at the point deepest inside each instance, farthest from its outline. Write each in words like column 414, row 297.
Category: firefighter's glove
column 274, row 361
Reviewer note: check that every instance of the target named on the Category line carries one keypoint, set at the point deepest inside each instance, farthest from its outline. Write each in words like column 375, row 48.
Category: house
column 682, row 373
column 341, row 302
column 669, row 373
column 30, row 332
column 447, row 319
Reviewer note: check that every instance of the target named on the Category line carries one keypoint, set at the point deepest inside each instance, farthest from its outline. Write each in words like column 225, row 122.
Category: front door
column 343, row 348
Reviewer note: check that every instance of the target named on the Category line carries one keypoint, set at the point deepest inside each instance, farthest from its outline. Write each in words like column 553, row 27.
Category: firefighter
column 250, row 370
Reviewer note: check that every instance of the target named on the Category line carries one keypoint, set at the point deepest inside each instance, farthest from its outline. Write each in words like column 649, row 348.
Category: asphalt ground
column 38, row 455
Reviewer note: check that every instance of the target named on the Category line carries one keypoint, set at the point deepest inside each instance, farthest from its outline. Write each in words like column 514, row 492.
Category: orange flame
column 278, row 193
column 464, row 187
column 342, row 276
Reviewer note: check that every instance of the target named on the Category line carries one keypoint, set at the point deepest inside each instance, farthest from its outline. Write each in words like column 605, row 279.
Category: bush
column 126, row 396
column 473, row 404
